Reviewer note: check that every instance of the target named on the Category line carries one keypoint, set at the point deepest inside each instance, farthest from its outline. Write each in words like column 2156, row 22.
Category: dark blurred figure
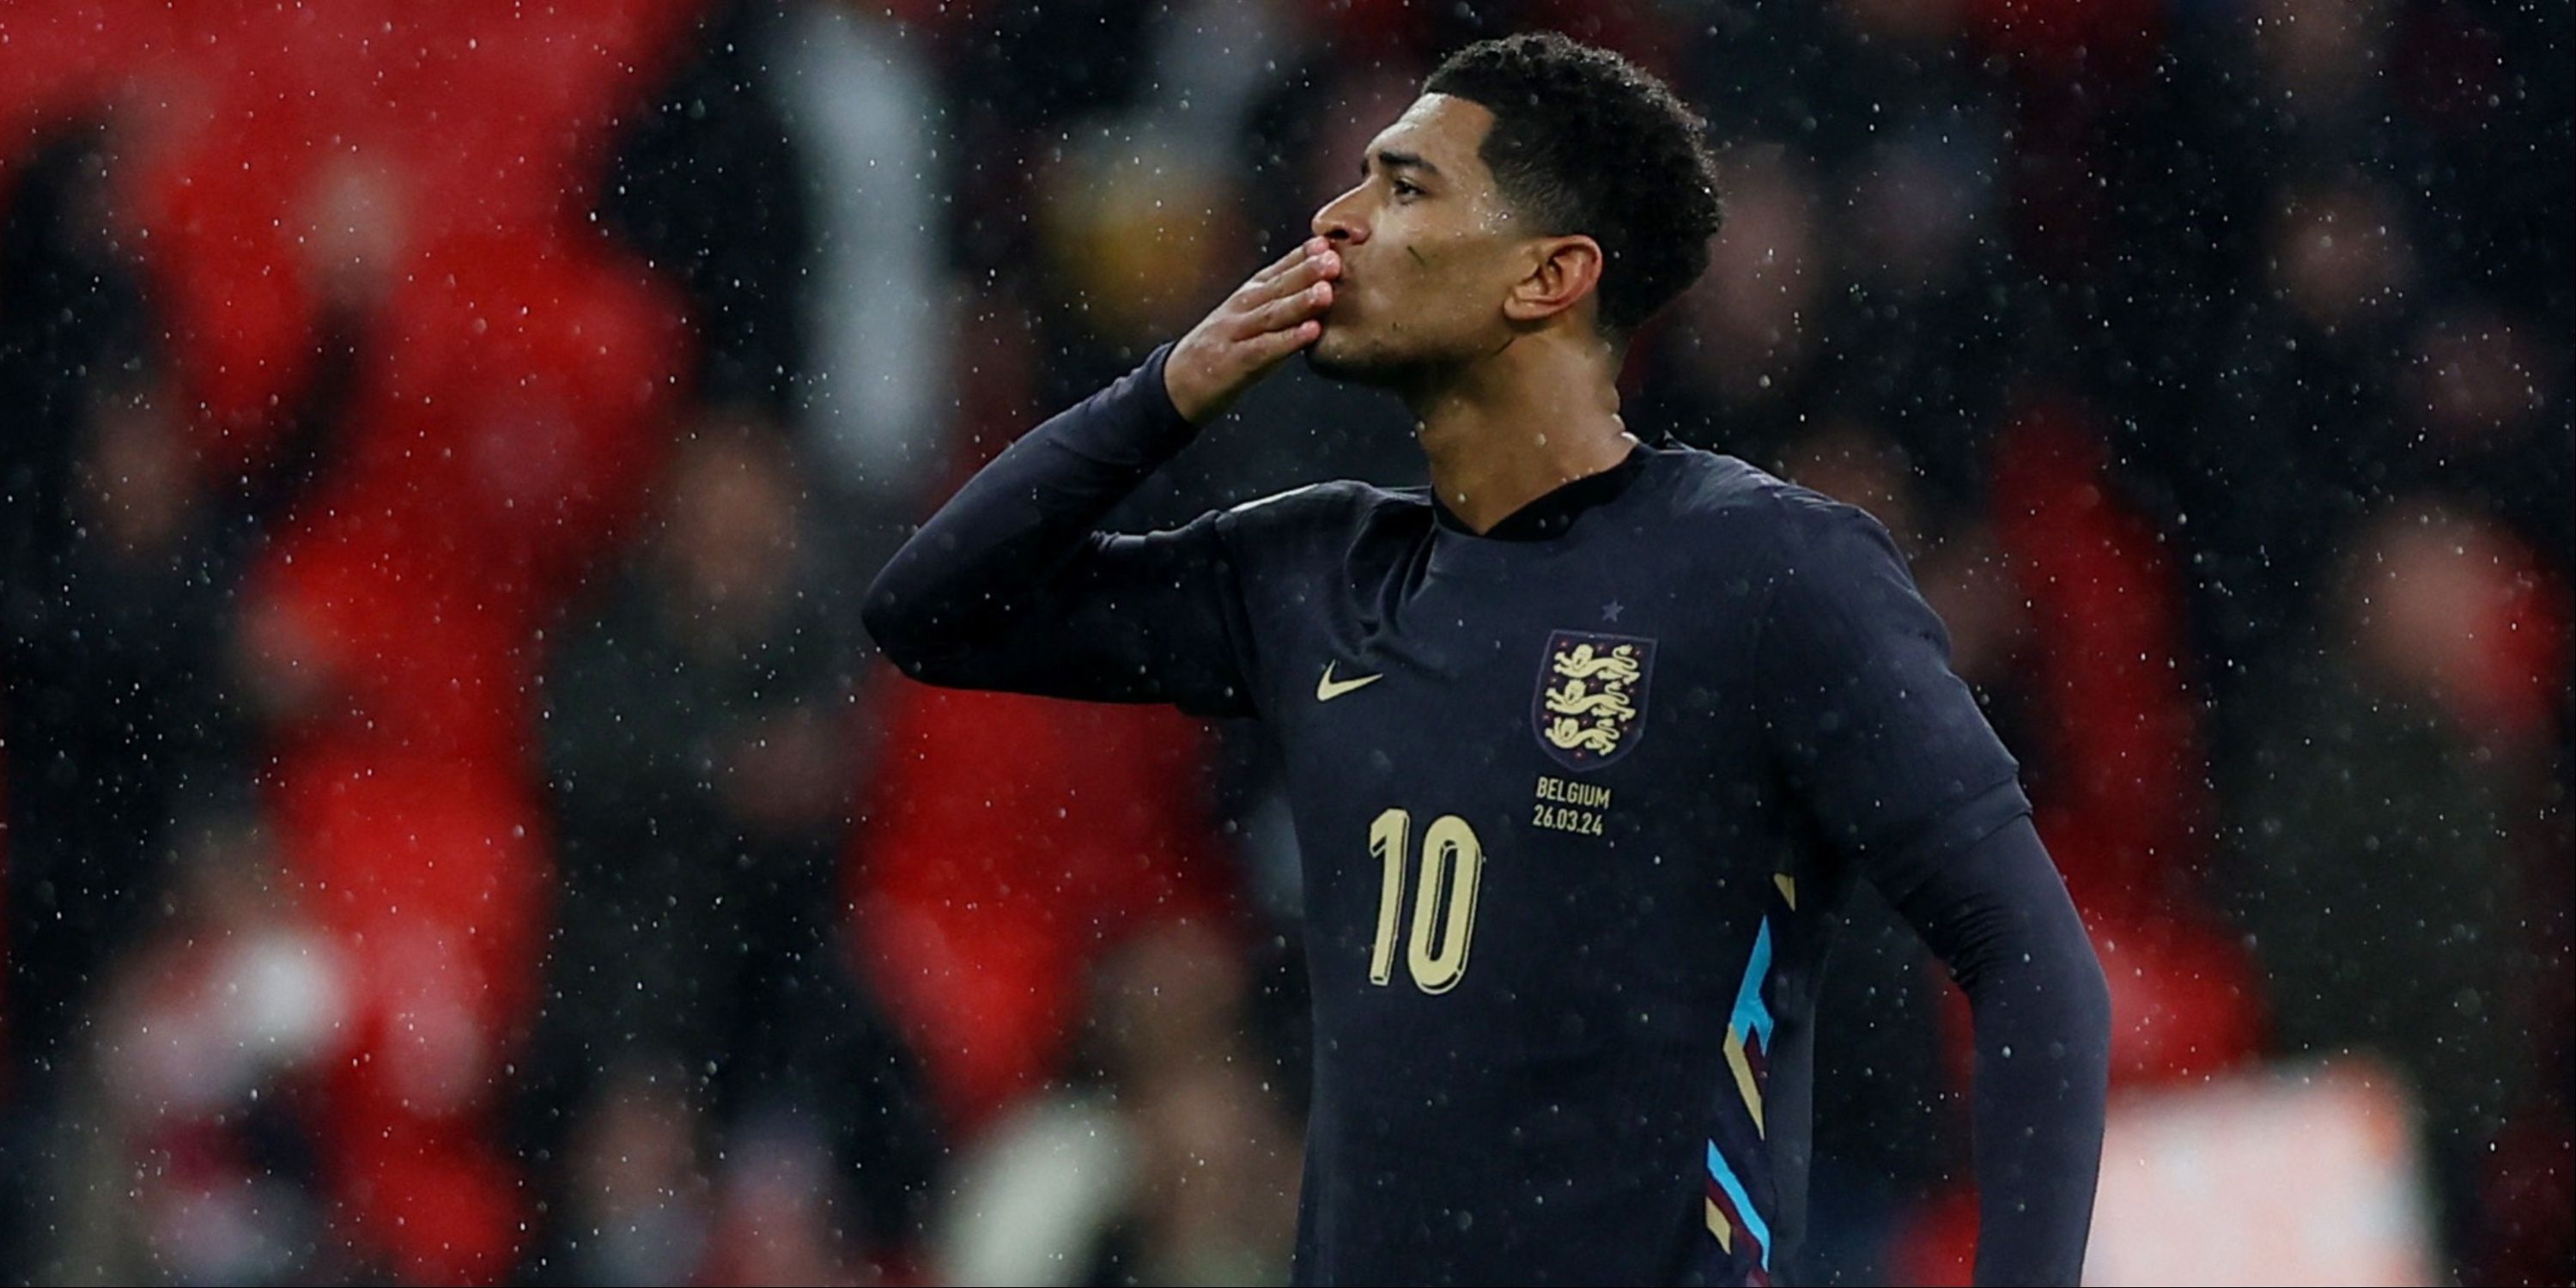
column 69, row 306
column 2244, row 96
column 105, row 618
column 698, row 737
column 2485, row 392
column 706, row 184
column 2382, row 821
column 1922, row 337
column 113, row 706
column 2297, row 430
column 794, row 179
column 1744, row 349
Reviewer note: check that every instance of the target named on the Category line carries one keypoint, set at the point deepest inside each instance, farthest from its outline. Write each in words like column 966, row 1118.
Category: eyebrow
column 1391, row 159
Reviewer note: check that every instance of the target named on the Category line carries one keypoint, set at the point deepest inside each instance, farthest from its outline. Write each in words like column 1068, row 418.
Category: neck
column 1505, row 430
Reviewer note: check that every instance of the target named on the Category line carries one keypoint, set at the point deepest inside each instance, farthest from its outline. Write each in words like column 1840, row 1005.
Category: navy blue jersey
column 1576, row 805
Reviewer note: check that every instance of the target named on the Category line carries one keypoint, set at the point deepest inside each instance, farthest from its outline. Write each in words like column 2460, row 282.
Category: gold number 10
column 1453, row 861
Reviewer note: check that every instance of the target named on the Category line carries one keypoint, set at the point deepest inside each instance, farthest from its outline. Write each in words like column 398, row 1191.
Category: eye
column 1403, row 189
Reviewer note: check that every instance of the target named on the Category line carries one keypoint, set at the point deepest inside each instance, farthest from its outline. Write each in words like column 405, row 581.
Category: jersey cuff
column 1162, row 414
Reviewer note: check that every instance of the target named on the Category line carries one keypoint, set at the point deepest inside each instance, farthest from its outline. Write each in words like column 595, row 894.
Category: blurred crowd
column 454, row 830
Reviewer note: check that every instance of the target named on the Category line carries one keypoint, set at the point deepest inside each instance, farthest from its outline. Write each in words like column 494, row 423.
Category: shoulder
column 1776, row 525
column 1322, row 538
column 1336, row 510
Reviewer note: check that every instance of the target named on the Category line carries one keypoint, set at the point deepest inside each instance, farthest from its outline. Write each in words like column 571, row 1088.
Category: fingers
column 1299, row 254
column 1287, row 310
column 1271, row 346
column 1322, row 268
column 1301, row 266
column 1295, row 256
column 1302, row 291
column 1269, row 317
column 1293, row 289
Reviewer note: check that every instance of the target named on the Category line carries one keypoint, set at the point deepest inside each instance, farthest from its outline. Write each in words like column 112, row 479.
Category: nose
column 1338, row 220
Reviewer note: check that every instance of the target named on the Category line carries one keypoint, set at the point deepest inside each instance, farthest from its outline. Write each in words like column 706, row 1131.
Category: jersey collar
column 1551, row 514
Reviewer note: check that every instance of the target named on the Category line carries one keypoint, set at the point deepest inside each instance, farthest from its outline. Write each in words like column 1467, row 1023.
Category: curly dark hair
column 1586, row 142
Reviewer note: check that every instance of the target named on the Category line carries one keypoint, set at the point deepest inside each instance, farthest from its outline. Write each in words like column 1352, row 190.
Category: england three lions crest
column 1591, row 697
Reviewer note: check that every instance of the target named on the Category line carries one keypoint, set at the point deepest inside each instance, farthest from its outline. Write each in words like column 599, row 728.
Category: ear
column 1563, row 271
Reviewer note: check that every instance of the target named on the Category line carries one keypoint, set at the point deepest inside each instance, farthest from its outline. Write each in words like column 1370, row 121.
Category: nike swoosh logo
column 1327, row 689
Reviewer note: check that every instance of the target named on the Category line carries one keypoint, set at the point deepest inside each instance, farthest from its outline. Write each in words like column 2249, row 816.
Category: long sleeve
column 1010, row 585
column 1886, row 749
column 1997, row 915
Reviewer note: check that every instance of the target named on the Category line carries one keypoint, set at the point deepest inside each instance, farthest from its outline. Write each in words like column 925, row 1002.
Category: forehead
column 1445, row 131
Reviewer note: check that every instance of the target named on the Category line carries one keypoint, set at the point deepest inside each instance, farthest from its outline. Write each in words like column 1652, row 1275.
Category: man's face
column 1429, row 250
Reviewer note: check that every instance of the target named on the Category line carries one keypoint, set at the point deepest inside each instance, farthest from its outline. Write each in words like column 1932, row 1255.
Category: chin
column 1340, row 356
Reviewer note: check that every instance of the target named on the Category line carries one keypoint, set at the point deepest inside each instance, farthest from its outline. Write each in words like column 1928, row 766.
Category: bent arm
column 1010, row 585
column 1998, row 916
column 1889, row 751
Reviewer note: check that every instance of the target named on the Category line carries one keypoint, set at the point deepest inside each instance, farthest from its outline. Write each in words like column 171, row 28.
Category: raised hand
column 1272, row 315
